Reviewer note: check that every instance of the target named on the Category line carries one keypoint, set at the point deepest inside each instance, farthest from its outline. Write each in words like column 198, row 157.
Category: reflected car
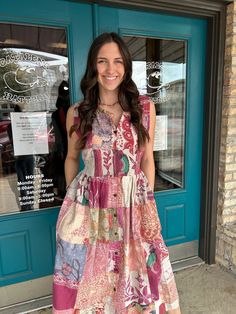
column 6, row 148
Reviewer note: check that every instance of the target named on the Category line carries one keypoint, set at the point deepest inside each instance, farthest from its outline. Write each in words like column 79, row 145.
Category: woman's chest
column 110, row 134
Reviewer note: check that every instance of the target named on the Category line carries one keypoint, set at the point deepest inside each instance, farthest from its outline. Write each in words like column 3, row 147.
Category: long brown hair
column 128, row 95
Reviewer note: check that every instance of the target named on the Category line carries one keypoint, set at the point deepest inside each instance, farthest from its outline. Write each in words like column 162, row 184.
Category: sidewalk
column 202, row 289
column 206, row 289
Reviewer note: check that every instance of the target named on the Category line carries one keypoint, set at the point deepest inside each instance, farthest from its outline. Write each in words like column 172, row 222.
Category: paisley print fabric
column 111, row 258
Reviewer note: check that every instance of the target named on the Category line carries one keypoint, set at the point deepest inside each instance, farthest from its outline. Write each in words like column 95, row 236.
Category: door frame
column 215, row 13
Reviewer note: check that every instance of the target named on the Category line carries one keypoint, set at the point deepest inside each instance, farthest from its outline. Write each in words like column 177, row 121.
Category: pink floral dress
column 111, row 258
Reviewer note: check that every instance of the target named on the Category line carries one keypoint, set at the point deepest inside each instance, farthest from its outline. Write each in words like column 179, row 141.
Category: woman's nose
column 110, row 67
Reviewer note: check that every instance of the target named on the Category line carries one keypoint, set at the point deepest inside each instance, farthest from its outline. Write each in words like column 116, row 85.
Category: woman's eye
column 119, row 61
column 101, row 61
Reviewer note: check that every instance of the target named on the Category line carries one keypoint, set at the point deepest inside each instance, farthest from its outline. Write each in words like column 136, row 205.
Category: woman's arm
column 147, row 162
column 72, row 157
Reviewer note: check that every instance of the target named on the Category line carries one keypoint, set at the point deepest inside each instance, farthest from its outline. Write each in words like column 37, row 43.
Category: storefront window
column 159, row 70
column 34, row 99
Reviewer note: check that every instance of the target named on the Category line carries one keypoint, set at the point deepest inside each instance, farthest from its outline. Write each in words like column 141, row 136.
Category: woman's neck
column 108, row 97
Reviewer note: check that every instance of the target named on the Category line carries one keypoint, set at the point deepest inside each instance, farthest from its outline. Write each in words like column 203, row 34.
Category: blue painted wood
column 173, row 214
column 11, row 264
column 27, row 245
column 193, row 31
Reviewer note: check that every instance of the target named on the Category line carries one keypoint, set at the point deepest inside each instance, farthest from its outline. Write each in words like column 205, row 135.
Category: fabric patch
column 116, row 257
column 74, row 225
column 121, row 163
column 103, row 226
column 150, row 223
column 96, row 260
column 70, row 260
column 105, row 192
column 93, row 291
column 63, row 297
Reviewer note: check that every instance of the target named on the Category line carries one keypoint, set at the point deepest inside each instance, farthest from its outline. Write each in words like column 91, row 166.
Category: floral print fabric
column 111, row 258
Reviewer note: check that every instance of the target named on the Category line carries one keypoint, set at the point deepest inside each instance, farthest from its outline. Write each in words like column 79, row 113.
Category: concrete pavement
column 206, row 289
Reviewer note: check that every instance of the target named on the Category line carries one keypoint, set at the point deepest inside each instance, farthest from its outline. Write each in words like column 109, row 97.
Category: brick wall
column 226, row 216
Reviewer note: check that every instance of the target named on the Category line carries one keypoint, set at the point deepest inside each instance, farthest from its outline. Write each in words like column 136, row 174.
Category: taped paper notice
column 29, row 132
column 160, row 138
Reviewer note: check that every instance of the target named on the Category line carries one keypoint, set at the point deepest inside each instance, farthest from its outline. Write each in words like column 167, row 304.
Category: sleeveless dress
column 111, row 258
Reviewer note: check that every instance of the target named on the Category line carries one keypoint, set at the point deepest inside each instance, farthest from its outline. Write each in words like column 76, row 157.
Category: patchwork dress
column 111, row 258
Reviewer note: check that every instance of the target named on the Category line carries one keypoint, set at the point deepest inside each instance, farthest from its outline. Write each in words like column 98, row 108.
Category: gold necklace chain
column 111, row 105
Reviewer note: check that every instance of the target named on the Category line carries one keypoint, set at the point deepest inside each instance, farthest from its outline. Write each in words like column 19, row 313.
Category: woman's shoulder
column 146, row 103
column 76, row 105
column 73, row 110
column 73, row 114
column 144, row 99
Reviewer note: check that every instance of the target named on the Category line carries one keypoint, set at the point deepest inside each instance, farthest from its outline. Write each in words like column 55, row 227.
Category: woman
column 111, row 257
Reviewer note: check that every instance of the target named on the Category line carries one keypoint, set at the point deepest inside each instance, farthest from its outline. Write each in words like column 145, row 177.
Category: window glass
column 159, row 70
column 34, row 99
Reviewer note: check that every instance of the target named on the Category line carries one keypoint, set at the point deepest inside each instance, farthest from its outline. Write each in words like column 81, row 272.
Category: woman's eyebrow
column 117, row 58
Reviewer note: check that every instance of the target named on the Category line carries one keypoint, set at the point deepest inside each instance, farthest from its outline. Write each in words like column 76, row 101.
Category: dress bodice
column 113, row 150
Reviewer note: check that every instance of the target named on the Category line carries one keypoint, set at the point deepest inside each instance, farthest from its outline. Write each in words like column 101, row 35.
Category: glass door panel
column 159, row 70
column 34, row 99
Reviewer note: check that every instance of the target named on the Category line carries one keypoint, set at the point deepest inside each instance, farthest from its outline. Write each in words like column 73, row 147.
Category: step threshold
column 187, row 263
column 28, row 306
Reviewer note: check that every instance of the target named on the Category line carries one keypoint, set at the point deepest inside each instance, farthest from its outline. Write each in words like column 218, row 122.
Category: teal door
column 41, row 42
column 168, row 62
column 168, row 58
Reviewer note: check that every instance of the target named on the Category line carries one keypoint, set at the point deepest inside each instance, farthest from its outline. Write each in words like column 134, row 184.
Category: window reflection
column 34, row 99
column 159, row 70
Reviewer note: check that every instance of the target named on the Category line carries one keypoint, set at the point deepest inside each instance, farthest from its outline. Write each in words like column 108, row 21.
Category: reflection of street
column 8, row 185
column 6, row 150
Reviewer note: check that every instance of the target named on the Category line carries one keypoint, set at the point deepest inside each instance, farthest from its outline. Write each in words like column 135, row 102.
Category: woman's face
column 110, row 67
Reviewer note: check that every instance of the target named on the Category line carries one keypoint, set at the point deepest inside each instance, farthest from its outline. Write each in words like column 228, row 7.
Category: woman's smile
column 110, row 78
